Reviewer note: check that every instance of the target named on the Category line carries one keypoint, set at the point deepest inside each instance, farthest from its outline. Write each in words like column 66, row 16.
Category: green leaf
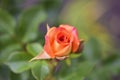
column 75, row 55
column 92, row 50
column 7, row 23
column 34, row 48
column 27, row 75
column 5, row 38
column 28, row 23
column 80, row 71
column 85, row 68
column 18, row 62
column 6, row 52
column 4, row 73
column 68, row 61
column 104, row 72
column 40, row 70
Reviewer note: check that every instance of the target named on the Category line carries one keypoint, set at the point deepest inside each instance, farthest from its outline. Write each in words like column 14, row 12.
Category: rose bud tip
column 81, row 46
column 48, row 27
column 82, row 41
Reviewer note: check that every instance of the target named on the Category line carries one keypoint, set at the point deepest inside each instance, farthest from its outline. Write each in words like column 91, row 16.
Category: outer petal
column 51, row 32
column 76, row 41
column 58, row 47
column 67, row 27
column 48, row 48
column 42, row 55
column 64, row 51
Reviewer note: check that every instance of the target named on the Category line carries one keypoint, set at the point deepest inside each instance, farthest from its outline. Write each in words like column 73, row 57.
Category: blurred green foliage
column 99, row 46
column 21, row 40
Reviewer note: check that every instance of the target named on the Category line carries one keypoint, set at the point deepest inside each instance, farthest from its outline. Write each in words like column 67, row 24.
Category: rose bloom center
column 63, row 38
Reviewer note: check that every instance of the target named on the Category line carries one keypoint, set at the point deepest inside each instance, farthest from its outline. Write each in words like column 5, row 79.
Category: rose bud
column 60, row 42
column 81, row 46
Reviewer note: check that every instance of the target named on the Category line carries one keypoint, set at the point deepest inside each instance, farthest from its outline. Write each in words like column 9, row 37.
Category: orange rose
column 60, row 42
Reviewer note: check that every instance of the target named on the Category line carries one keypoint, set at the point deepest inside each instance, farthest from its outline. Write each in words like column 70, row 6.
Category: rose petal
column 64, row 32
column 76, row 41
column 64, row 51
column 67, row 27
column 57, row 47
column 61, row 48
column 47, row 47
column 51, row 32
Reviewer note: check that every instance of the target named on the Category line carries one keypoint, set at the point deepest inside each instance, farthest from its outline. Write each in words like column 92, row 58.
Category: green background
column 22, row 31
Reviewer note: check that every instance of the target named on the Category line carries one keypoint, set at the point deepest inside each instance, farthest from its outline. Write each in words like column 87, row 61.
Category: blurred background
column 23, row 26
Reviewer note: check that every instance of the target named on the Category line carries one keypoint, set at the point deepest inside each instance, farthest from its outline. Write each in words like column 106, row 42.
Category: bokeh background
column 22, row 30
